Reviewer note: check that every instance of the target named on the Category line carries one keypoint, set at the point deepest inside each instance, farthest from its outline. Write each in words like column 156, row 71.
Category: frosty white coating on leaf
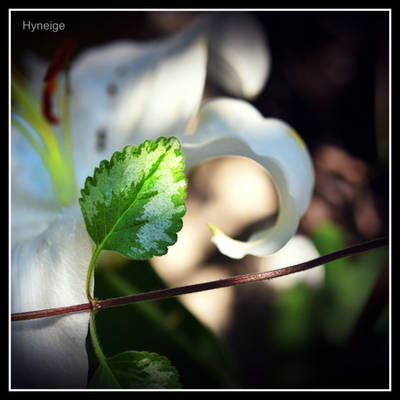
column 133, row 204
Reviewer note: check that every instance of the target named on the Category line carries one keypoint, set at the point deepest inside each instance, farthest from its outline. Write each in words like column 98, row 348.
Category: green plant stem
column 97, row 348
column 95, row 341
column 177, row 291
column 90, row 272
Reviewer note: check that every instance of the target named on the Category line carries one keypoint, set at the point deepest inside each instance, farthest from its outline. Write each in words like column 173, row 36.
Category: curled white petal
column 239, row 57
column 233, row 127
column 49, row 271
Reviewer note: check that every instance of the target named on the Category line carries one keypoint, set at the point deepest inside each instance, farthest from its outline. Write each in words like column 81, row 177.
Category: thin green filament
column 55, row 153
column 29, row 110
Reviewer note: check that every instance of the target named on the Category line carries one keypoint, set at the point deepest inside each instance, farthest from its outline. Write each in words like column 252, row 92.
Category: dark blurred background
column 329, row 80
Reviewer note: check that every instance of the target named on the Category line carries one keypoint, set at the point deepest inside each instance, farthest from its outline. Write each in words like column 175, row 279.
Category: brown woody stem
column 233, row 281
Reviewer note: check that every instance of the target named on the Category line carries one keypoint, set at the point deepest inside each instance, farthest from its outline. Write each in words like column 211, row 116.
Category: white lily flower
column 122, row 93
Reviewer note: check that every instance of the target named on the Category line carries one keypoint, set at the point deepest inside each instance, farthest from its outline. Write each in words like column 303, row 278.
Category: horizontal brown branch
column 233, row 281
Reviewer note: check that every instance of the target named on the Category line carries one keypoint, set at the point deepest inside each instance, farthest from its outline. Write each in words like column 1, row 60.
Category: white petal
column 50, row 271
column 239, row 58
column 126, row 92
column 234, row 127
column 297, row 250
column 33, row 204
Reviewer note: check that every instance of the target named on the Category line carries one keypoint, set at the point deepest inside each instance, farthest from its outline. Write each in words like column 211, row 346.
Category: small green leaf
column 136, row 370
column 133, row 204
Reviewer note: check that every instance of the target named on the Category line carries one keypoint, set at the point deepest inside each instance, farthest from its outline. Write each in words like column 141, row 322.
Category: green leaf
column 136, row 370
column 133, row 204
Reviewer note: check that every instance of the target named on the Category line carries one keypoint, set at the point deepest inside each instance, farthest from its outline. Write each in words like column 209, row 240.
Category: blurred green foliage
column 165, row 327
column 312, row 341
column 348, row 282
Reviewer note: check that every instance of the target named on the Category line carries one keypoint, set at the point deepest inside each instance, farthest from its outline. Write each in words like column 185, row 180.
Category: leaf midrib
column 157, row 163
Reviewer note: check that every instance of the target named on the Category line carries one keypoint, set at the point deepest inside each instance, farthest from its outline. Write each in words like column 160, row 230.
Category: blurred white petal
column 229, row 127
column 127, row 92
column 49, row 271
column 33, row 205
column 297, row 250
column 239, row 58
column 219, row 301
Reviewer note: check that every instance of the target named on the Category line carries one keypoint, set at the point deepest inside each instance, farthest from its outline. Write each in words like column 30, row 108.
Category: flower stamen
column 55, row 152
